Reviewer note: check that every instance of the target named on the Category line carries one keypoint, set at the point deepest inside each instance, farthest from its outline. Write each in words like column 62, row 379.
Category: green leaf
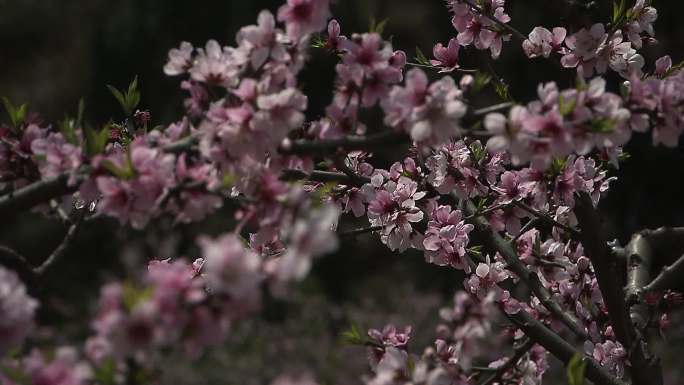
column 602, row 126
column 501, row 89
column 105, row 374
column 16, row 375
column 96, row 141
column 118, row 95
column 353, row 336
column 618, row 9
column 132, row 295
column 482, row 79
column 420, row 57
column 16, row 114
column 378, row 28
column 575, row 370
column 79, row 114
column 566, row 106
column 130, row 100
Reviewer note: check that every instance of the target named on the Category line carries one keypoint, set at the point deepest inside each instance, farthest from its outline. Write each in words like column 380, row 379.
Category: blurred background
column 52, row 53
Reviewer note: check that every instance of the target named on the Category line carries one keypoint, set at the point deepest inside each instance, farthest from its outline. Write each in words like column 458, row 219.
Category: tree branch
column 546, row 218
column 349, row 143
column 597, row 250
column 363, row 230
column 511, row 362
column 668, row 277
column 57, row 254
column 560, row 348
column 29, row 196
column 325, row 176
column 496, row 21
column 528, row 277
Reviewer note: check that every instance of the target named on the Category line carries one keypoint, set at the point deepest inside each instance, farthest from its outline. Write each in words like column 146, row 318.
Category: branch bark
column 528, row 277
column 668, row 277
column 348, row 143
column 594, row 240
column 560, row 348
column 29, row 196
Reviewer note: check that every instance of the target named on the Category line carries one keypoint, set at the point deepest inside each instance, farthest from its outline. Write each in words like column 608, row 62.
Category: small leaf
column 482, row 79
column 132, row 295
column 566, row 106
column 81, row 110
column 117, row 94
column 378, row 28
column 420, row 57
column 575, row 370
column 16, row 115
column 353, row 336
column 105, row 374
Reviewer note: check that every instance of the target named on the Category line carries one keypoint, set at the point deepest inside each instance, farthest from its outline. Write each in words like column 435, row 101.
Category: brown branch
column 14, row 261
column 349, row 143
column 496, row 21
column 528, row 277
column 57, row 254
column 668, row 277
column 325, row 176
column 363, row 230
column 29, row 196
column 547, row 218
column 560, row 348
column 519, row 352
column 594, row 240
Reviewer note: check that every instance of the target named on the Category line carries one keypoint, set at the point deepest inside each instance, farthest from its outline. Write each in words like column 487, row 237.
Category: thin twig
column 349, row 143
column 560, row 348
column 594, row 240
column 325, row 176
column 530, row 279
column 519, row 352
column 363, row 230
column 12, row 260
column 494, row 108
column 668, row 277
column 57, row 254
column 547, row 218
column 496, row 21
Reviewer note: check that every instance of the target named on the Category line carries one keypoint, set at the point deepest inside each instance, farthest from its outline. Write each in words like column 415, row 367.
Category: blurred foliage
column 56, row 52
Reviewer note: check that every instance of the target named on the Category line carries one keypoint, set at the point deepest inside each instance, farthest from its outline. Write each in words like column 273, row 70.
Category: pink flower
column 180, row 59
column 335, row 39
column 446, row 238
column 486, row 278
column 57, row 156
column 611, row 355
column 542, row 42
column 663, row 65
column 431, row 116
column 17, row 309
column 214, row 65
column 640, row 20
column 311, row 236
column 391, row 337
column 231, row 268
column 446, row 57
column 302, row 17
column 64, row 369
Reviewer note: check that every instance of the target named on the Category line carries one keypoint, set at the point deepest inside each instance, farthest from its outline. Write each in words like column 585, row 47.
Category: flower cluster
column 477, row 25
column 368, row 69
column 658, row 104
column 446, row 238
column 17, row 309
column 430, row 113
column 560, row 123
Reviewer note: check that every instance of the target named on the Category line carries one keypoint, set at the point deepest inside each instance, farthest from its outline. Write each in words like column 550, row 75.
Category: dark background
column 53, row 52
